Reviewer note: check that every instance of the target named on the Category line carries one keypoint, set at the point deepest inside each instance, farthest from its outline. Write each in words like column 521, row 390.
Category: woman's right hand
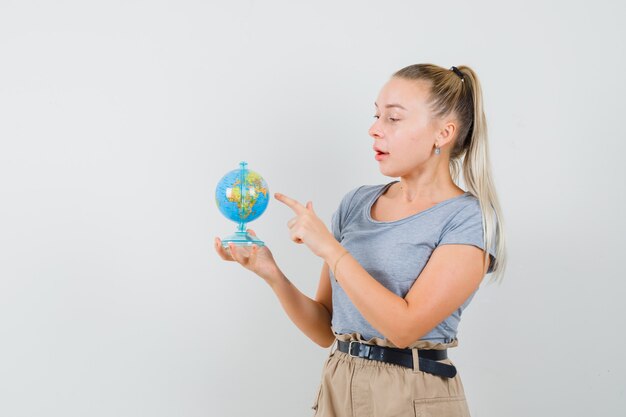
column 255, row 259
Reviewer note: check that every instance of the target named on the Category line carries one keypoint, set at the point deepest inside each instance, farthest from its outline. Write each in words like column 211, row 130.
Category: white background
column 118, row 118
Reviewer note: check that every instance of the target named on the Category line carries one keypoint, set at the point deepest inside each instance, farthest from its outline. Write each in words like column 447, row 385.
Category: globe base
column 242, row 239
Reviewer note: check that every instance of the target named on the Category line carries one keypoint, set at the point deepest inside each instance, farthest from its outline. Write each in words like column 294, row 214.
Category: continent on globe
column 255, row 186
column 242, row 196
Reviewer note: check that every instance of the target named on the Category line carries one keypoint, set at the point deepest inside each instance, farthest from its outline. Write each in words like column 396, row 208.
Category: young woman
column 403, row 259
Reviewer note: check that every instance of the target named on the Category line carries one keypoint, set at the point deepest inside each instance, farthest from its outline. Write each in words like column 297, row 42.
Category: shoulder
column 461, row 215
column 465, row 207
column 464, row 223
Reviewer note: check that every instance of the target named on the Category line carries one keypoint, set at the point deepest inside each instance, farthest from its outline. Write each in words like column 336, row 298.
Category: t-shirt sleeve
column 466, row 227
column 339, row 216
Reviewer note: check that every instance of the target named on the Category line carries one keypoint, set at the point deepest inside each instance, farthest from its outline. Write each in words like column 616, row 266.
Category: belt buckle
column 350, row 349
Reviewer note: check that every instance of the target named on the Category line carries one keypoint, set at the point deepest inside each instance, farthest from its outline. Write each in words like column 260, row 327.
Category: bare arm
column 312, row 317
column 452, row 273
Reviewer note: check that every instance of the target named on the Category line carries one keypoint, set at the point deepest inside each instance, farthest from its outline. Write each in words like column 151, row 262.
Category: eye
column 376, row 116
column 393, row 119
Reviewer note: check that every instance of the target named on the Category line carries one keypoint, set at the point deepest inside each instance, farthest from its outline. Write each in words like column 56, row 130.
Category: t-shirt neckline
column 368, row 207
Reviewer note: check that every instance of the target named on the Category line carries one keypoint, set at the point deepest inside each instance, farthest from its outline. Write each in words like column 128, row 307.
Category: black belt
column 427, row 357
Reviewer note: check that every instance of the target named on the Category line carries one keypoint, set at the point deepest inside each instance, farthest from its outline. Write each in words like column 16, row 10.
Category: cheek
column 412, row 138
column 411, row 149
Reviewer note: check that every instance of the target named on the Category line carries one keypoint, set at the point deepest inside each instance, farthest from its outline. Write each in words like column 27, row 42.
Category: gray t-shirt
column 395, row 253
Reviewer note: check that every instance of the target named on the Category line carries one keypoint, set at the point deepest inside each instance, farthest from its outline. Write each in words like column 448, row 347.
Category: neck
column 411, row 189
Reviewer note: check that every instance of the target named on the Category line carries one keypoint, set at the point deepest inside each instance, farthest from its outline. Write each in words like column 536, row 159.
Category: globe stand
column 242, row 238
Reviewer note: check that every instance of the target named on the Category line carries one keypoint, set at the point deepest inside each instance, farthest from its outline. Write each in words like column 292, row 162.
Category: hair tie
column 458, row 72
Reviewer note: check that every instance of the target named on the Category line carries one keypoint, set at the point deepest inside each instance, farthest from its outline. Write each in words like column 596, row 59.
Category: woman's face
column 403, row 128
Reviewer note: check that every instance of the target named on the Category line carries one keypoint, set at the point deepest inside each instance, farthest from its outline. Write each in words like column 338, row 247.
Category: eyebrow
column 392, row 105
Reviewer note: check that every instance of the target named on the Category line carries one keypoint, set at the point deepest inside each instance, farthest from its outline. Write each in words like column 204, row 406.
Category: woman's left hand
column 307, row 228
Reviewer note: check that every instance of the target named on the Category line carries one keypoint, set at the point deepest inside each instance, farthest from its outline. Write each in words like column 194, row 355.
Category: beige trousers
column 357, row 387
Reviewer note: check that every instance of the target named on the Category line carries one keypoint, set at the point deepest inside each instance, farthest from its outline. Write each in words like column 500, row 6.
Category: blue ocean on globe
column 242, row 195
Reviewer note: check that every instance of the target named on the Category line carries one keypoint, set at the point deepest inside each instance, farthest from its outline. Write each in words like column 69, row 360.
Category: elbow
column 403, row 337
column 327, row 345
column 403, row 342
column 325, row 342
column 400, row 343
column 401, row 330
column 399, row 339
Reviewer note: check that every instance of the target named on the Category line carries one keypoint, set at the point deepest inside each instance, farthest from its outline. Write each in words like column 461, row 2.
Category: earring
column 437, row 151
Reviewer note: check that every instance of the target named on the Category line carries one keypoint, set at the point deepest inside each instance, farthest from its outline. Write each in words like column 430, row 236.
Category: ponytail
column 457, row 91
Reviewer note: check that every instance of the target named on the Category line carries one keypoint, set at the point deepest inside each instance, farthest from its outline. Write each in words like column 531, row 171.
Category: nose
column 375, row 130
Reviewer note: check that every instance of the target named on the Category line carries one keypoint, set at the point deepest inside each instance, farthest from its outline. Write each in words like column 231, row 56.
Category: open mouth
column 381, row 155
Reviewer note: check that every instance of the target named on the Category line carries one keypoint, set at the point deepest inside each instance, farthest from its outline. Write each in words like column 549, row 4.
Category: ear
column 446, row 133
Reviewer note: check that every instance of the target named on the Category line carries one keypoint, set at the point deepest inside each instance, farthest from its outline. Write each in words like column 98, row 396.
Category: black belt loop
column 427, row 358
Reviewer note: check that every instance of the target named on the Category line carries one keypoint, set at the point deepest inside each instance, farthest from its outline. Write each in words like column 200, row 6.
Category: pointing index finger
column 293, row 204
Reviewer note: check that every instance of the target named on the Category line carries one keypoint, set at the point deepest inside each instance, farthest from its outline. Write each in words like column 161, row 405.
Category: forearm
column 310, row 316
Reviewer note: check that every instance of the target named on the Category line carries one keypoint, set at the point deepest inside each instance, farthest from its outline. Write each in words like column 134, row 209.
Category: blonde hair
column 451, row 94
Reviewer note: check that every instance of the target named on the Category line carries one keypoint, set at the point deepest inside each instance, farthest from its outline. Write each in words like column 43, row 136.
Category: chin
column 400, row 169
column 392, row 173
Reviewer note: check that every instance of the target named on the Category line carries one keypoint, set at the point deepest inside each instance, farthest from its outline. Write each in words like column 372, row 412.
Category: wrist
column 331, row 251
column 334, row 256
column 275, row 279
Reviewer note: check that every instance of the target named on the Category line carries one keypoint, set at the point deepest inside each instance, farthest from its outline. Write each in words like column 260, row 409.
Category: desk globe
column 242, row 196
